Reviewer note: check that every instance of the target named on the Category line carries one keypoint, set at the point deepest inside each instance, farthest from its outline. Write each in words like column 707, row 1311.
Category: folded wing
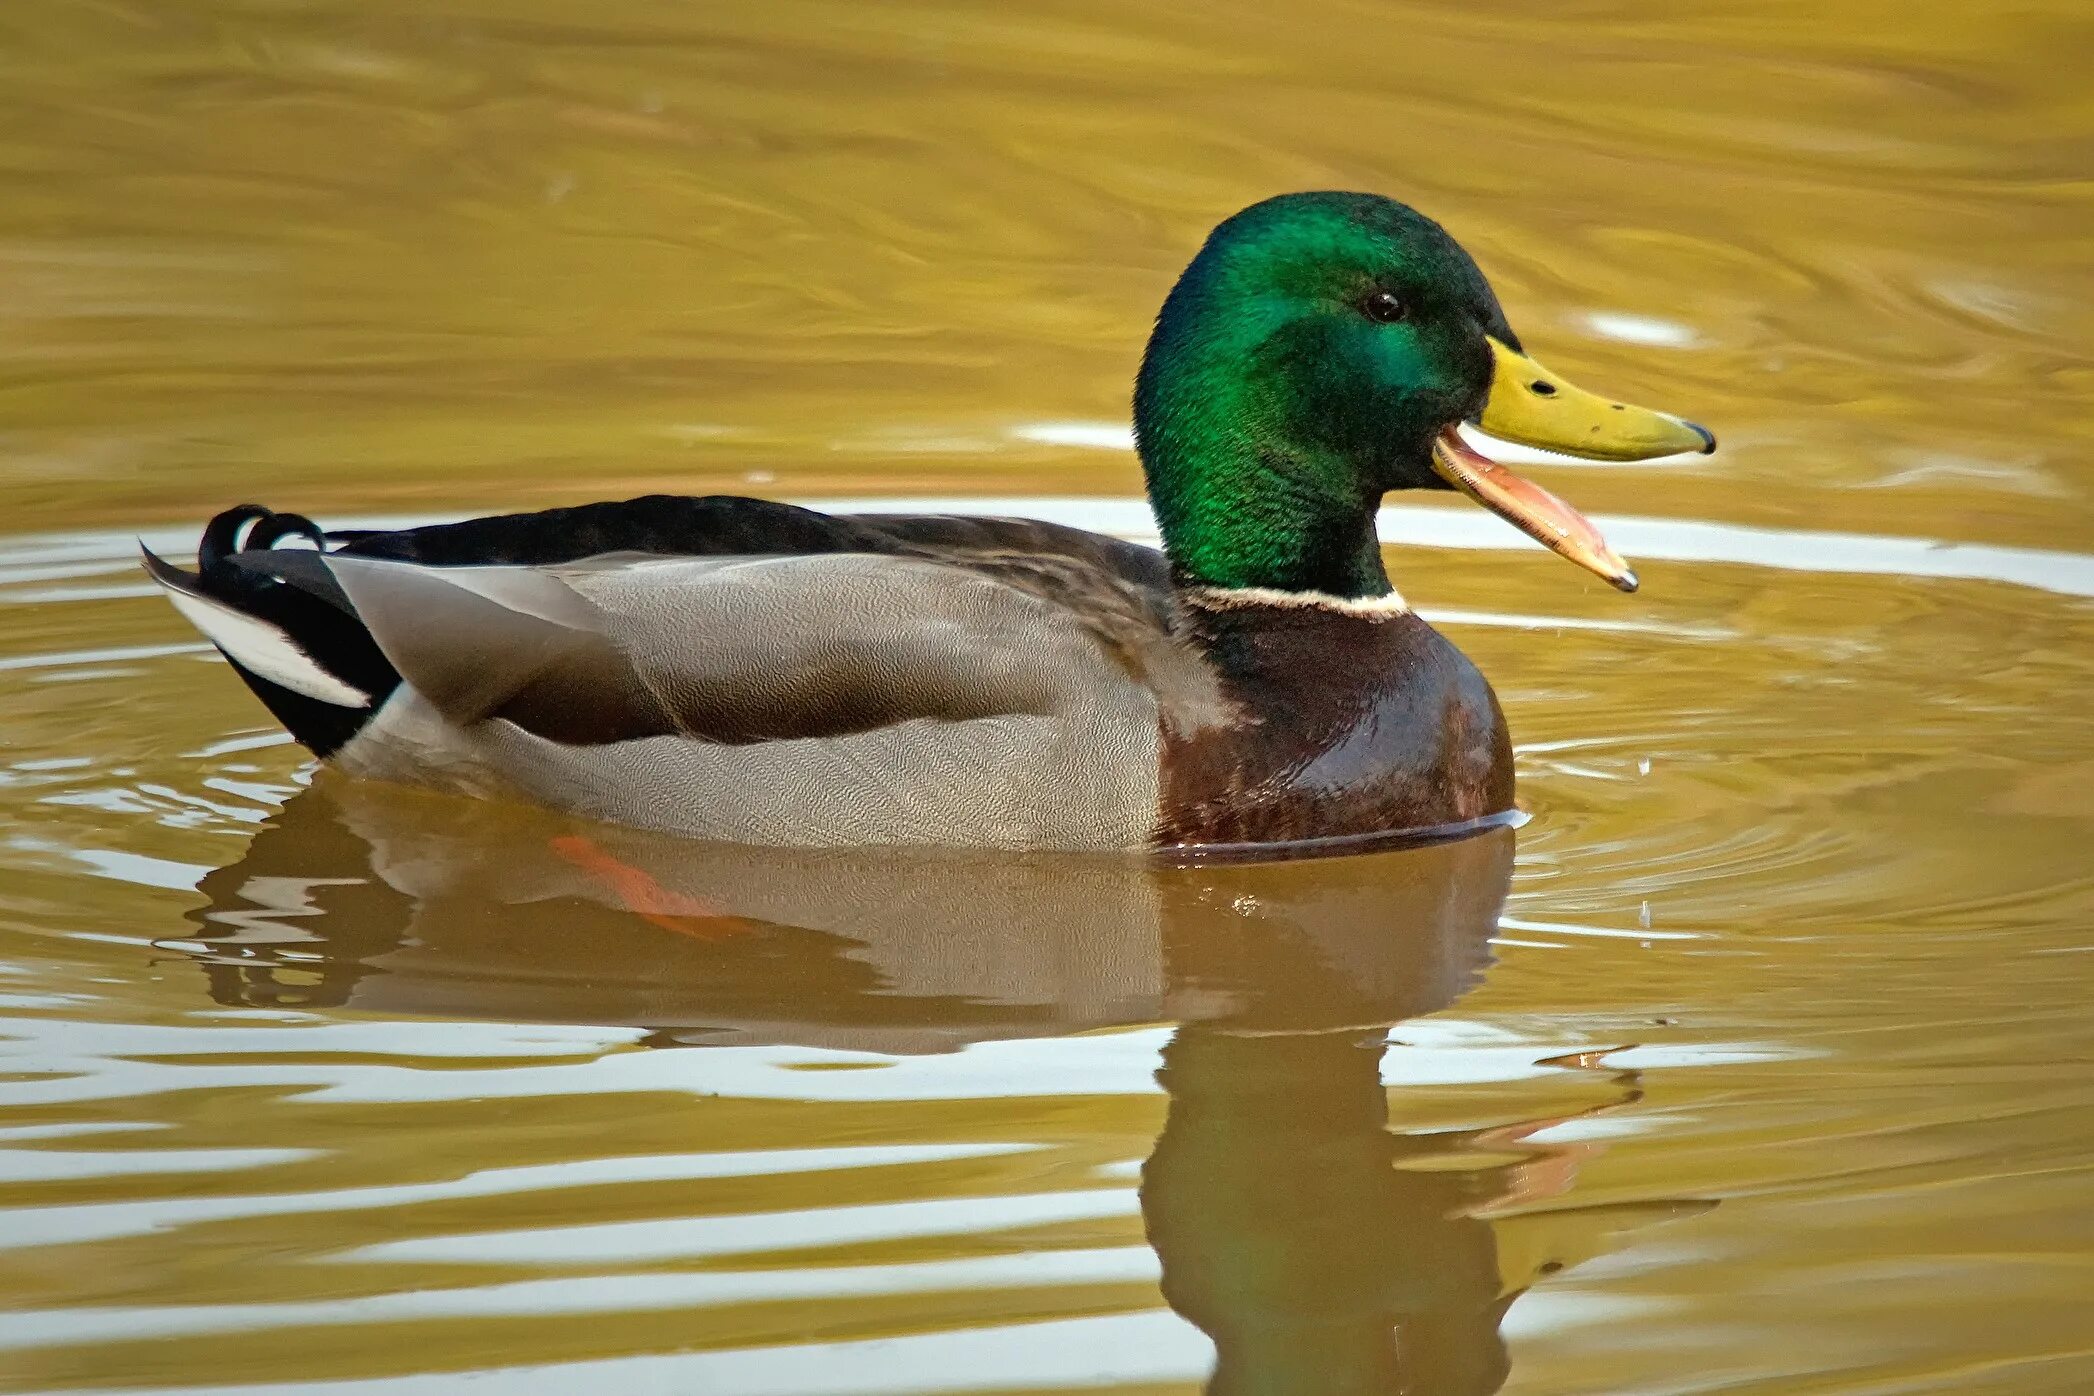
column 730, row 650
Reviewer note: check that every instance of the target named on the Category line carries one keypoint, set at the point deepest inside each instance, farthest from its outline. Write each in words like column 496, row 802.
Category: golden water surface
column 1761, row 1060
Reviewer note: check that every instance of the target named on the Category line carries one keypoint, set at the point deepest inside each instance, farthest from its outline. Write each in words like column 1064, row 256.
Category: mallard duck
column 743, row 670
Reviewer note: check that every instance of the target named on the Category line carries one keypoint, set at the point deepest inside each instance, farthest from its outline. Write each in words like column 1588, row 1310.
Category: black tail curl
column 239, row 565
column 246, row 527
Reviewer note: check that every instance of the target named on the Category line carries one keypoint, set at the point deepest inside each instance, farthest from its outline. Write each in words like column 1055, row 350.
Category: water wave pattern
column 1779, row 1078
column 366, row 252
column 1730, row 902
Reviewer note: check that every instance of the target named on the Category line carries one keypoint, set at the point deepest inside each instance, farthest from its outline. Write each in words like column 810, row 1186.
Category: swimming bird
column 745, row 670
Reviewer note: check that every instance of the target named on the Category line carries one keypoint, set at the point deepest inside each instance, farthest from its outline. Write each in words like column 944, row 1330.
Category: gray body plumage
column 821, row 700
column 735, row 670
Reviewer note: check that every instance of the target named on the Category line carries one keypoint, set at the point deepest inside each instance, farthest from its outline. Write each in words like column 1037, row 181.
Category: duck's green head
column 1319, row 352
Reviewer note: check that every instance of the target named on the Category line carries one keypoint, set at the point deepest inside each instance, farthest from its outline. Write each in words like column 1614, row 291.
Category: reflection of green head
column 1288, row 1233
column 1300, row 369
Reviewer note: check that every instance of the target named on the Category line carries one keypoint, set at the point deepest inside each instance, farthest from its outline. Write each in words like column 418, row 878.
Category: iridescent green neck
column 1243, row 499
column 1244, row 518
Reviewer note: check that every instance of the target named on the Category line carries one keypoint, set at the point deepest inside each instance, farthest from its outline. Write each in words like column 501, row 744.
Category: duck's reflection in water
column 1320, row 1250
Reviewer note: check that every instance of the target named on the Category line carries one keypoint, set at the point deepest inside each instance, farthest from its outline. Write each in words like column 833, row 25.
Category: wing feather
column 727, row 649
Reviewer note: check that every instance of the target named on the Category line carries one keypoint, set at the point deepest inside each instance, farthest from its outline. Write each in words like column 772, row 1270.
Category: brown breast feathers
column 1352, row 719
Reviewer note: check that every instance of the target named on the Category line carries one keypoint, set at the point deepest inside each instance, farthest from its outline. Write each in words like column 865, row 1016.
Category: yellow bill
column 1534, row 407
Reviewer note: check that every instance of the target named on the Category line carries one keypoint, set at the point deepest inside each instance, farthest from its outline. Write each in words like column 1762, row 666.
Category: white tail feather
column 257, row 645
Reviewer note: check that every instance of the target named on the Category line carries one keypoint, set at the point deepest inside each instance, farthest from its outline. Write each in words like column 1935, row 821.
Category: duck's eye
column 1384, row 308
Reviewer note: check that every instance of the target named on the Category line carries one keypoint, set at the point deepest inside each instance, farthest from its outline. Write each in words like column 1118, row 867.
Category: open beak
column 1534, row 407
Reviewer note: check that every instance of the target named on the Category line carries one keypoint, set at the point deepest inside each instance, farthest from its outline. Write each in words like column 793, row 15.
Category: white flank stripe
column 265, row 649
